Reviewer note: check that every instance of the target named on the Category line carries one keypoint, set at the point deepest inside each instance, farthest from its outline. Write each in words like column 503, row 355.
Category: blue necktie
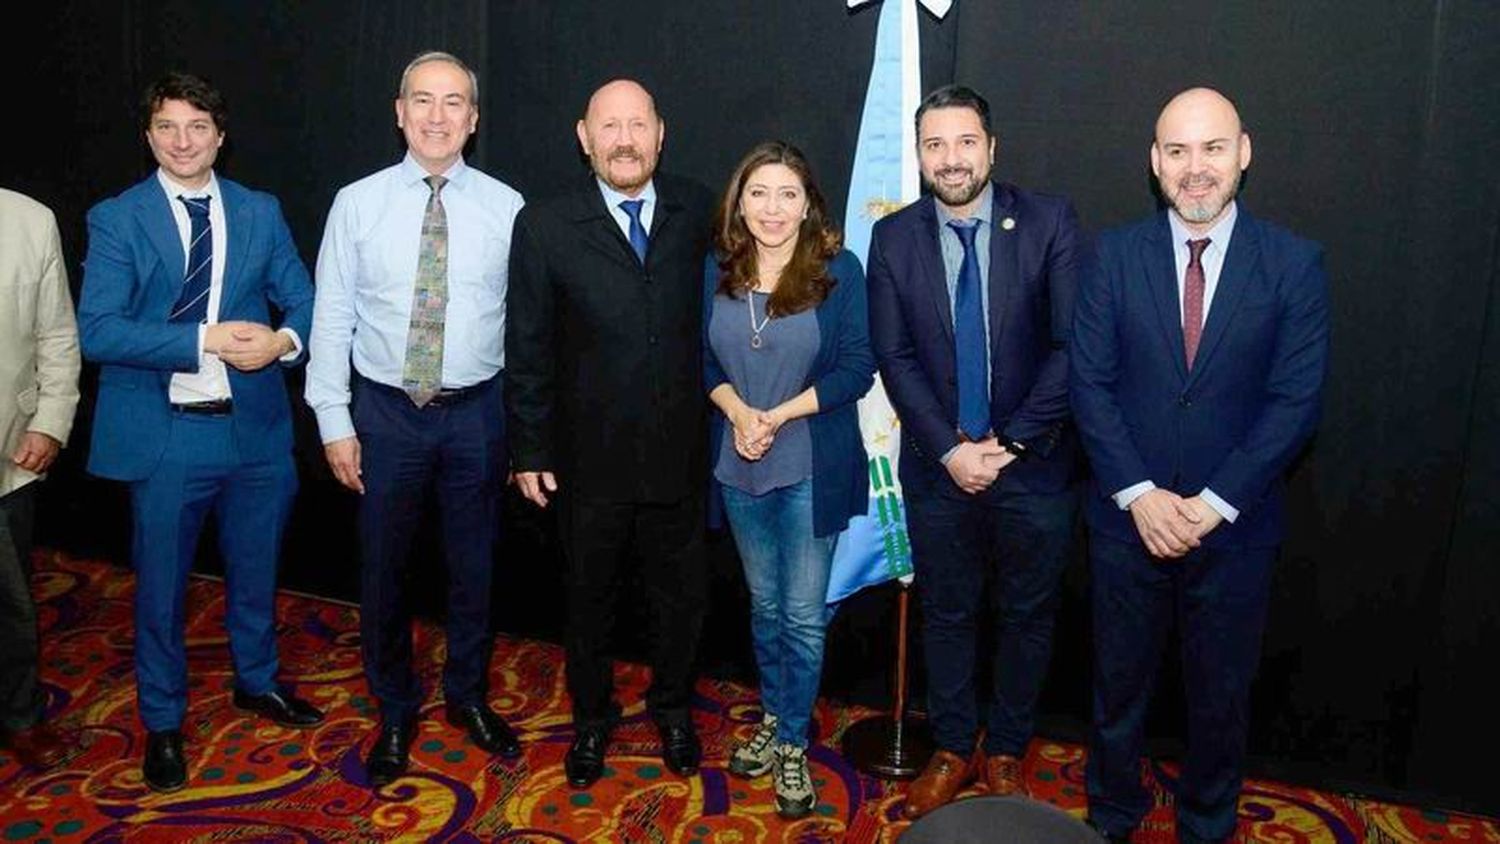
column 192, row 302
column 637, row 231
column 968, row 339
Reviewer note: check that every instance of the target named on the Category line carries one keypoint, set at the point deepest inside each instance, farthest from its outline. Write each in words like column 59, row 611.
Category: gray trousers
column 20, row 695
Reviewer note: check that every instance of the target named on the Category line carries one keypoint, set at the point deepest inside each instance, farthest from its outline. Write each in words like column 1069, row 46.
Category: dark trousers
column 1019, row 540
column 20, row 693
column 457, row 449
column 1218, row 597
column 667, row 538
column 201, row 472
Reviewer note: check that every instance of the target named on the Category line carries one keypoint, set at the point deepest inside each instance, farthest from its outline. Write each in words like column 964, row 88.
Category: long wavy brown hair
column 805, row 281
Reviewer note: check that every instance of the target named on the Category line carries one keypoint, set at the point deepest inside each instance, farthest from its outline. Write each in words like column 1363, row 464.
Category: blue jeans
column 786, row 568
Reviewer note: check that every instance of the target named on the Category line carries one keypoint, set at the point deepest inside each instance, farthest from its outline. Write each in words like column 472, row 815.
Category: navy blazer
column 841, row 374
column 132, row 276
column 1032, row 283
column 1232, row 424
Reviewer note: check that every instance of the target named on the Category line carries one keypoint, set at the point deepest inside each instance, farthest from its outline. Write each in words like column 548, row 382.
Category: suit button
column 1184, row 401
column 651, row 339
column 646, row 278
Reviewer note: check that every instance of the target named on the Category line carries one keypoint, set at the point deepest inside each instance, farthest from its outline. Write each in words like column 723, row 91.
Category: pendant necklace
column 756, row 329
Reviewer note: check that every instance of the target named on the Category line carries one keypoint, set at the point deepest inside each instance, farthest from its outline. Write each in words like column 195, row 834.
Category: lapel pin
column 1008, row 223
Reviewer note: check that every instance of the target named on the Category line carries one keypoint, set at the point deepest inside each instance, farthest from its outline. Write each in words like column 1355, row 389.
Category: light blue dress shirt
column 367, row 270
column 613, row 198
column 953, row 259
column 1213, row 265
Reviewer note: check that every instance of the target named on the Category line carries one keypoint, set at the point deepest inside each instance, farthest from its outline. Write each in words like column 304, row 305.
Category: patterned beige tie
column 422, row 374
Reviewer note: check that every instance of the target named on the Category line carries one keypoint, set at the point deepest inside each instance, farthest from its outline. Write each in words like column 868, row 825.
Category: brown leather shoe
column 38, row 746
column 1004, row 776
column 946, row 775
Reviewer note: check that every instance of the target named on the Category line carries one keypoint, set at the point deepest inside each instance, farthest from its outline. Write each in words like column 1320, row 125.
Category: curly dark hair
column 805, row 281
column 194, row 90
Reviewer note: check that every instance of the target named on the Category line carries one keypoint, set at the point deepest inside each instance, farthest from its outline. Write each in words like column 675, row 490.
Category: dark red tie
column 1192, row 300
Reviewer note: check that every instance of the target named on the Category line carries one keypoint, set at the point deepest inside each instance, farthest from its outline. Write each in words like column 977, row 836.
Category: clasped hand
column 974, row 466
column 754, row 432
column 246, row 346
column 1170, row 525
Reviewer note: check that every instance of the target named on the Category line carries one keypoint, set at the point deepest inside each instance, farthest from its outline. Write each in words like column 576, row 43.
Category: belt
column 217, row 407
column 443, row 398
column 447, row 398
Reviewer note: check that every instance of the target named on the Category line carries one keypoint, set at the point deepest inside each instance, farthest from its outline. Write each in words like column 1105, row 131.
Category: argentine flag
column 874, row 548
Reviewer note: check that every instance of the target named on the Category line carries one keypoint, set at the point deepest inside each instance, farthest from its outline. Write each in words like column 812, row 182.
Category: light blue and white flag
column 874, row 548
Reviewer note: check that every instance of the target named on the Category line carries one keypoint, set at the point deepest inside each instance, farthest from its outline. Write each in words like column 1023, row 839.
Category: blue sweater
column 841, row 374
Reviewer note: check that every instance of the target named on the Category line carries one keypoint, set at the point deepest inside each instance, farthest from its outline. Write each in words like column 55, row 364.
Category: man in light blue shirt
column 411, row 284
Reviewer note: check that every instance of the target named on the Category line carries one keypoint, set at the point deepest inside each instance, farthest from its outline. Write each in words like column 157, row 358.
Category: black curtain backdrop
column 1374, row 126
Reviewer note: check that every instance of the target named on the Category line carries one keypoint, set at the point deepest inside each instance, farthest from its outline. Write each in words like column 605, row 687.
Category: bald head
column 1199, row 152
column 618, row 93
column 1196, row 107
column 622, row 135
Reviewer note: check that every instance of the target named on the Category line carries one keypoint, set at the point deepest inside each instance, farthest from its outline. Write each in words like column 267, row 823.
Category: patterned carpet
column 253, row 781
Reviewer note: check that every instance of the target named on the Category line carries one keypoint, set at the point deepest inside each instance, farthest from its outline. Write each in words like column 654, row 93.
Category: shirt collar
column 412, row 173
column 613, row 198
column 175, row 189
column 1218, row 236
column 982, row 212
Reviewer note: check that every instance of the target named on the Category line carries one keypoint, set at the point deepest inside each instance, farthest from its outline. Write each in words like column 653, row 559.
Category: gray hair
column 440, row 56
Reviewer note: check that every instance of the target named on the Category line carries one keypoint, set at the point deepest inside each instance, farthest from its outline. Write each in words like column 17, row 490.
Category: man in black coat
column 606, row 409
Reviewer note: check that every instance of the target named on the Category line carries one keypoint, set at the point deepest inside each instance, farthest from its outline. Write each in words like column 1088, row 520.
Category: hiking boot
column 795, row 797
column 754, row 757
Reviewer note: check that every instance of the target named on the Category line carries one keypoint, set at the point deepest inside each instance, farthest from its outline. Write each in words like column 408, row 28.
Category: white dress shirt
column 211, row 381
column 1212, row 260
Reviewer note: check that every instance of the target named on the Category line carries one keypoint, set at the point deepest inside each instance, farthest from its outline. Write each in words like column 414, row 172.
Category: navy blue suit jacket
column 1232, row 424
column 1032, row 283
column 131, row 279
column 841, row 374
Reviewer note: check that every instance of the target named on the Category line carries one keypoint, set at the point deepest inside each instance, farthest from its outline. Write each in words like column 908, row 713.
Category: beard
column 625, row 153
column 957, row 196
column 1207, row 209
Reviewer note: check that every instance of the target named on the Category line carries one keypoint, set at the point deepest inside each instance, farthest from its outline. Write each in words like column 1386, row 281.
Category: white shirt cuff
column 1126, row 496
column 296, row 345
column 335, row 423
column 1223, row 507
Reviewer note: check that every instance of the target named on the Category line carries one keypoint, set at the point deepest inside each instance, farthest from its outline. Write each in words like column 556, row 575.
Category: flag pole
column 894, row 746
column 885, row 178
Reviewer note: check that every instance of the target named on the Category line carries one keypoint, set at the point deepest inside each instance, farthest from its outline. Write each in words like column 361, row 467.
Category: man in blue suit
column 179, row 283
column 1199, row 349
column 971, row 295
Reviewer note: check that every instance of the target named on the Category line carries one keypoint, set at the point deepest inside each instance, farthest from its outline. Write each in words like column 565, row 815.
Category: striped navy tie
column 192, row 302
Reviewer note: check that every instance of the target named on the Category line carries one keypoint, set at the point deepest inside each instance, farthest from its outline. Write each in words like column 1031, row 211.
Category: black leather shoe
column 163, row 768
column 388, row 756
column 584, row 763
column 1111, row 837
column 486, row 729
column 680, row 748
column 278, row 706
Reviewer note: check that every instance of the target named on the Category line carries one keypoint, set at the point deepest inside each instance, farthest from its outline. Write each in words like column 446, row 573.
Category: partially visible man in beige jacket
column 38, row 394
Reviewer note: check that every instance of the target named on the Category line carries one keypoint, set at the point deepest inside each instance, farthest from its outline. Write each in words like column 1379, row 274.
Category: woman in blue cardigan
column 786, row 357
